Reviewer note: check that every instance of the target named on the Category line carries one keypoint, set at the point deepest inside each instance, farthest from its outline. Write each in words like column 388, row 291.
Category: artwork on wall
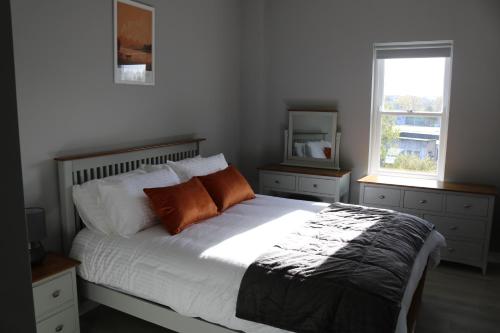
column 134, row 38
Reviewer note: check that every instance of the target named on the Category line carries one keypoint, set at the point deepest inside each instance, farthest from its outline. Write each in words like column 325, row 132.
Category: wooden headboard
column 78, row 169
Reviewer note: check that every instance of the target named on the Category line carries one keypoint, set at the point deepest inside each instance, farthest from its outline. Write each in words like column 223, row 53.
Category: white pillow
column 314, row 149
column 190, row 167
column 125, row 203
column 87, row 202
column 300, row 149
column 202, row 166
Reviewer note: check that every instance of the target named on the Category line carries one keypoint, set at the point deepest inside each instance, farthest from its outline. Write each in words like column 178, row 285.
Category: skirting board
column 149, row 311
column 494, row 257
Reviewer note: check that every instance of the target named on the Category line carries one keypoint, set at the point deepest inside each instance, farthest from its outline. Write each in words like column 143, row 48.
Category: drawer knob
column 454, row 227
column 56, row 293
column 59, row 328
column 423, row 201
column 276, row 181
column 467, row 206
column 382, row 197
column 315, row 185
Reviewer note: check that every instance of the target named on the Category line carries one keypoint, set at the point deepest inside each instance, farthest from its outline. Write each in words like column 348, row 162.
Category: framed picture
column 134, row 38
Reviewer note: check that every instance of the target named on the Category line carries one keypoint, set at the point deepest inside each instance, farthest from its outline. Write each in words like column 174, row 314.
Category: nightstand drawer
column 382, row 196
column 62, row 322
column 461, row 251
column 457, row 227
column 50, row 295
column 467, row 205
column 278, row 181
column 423, row 200
column 318, row 185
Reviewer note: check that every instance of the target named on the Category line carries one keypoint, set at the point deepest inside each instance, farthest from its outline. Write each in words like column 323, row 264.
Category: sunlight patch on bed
column 246, row 246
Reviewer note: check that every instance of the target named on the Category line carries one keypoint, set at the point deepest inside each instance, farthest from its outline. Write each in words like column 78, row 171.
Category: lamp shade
column 35, row 221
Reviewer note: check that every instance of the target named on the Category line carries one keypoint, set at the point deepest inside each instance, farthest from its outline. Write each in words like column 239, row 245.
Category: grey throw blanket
column 344, row 271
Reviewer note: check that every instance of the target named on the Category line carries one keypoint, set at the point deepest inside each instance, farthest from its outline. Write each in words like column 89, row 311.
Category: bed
column 189, row 282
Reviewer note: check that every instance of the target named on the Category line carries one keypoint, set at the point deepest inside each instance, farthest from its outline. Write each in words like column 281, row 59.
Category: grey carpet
column 106, row 320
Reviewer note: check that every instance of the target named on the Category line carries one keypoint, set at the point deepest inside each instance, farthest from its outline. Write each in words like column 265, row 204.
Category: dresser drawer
column 382, row 196
column 278, row 181
column 467, row 205
column 423, row 200
column 52, row 294
column 457, row 227
column 318, row 185
column 462, row 251
column 62, row 322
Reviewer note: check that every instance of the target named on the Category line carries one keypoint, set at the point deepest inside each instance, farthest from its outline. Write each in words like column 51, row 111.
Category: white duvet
column 198, row 272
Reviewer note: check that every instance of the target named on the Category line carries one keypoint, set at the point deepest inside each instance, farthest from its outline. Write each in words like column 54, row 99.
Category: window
column 409, row 122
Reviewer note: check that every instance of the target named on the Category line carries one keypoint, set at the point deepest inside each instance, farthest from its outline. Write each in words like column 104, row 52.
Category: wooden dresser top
column 305, row 170
column 52, row 264
column 429, row 184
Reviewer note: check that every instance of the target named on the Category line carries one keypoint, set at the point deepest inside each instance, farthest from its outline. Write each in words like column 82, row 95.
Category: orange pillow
column 181, row 205
column 227, row 187
column 328, row 152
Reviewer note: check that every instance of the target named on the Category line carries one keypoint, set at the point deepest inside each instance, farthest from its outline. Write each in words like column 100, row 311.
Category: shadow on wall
column 92, row 148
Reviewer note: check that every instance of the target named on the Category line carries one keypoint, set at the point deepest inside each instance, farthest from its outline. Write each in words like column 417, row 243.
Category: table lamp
column 35, row 221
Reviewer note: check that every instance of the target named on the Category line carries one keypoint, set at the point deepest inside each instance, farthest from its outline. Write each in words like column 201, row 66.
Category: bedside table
column 325, row 184
column 54, row 295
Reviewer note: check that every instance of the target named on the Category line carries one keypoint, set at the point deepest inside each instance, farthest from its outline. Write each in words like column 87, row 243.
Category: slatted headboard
column 78, row 169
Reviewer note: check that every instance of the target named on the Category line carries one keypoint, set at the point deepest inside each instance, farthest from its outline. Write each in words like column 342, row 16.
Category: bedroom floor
column 456, row 299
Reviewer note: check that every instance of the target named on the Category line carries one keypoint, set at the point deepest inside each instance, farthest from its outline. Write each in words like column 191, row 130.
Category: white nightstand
column 54, row 295
column 325, row 184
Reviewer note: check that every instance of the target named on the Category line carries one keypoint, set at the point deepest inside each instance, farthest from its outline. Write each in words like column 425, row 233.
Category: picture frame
column 134, row 43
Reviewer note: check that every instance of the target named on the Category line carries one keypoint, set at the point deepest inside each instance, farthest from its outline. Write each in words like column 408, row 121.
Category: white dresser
column 325, row 184
column 462, row 213
column 54, row 295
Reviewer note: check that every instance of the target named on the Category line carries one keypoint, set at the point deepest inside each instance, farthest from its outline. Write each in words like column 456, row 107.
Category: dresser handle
column 315, row 185
column 276, row 181
column 450, row 249
column 56, row 293
column 381, row 196
column 467, row 206
column 454, row 227
column 59, row 328
column 423, row 201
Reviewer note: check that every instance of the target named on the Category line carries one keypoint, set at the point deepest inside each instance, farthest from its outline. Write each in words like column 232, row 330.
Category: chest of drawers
column 54, row 295
column 324, row 184
column 462, row 213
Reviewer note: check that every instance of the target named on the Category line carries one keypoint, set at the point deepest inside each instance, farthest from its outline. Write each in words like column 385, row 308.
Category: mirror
column 312, row 139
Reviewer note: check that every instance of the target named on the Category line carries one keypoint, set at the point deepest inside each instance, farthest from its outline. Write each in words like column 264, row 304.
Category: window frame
column 376, row 112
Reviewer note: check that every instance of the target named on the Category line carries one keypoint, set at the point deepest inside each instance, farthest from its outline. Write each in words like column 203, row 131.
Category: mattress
column 198, row 272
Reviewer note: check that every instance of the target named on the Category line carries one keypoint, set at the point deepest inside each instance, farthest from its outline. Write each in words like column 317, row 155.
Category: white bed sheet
column 198, row 272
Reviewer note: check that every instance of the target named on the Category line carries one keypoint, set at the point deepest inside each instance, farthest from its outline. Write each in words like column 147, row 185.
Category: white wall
column 319, row 52
column 69, row 103
column 254, row 81
column 227, row 70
